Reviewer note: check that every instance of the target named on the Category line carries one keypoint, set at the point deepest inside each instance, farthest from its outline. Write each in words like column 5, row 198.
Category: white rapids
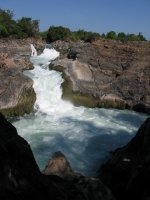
column 34, row 52
column 86, row 136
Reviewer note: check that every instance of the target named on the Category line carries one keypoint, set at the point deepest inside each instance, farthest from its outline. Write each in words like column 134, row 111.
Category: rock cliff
column 16, row 92
column 21, row 179
column 106, row 73
column 127, row 173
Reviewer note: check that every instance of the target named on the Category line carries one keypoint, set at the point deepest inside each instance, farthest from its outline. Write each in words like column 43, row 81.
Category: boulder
column 91, row 188
column 110, row 74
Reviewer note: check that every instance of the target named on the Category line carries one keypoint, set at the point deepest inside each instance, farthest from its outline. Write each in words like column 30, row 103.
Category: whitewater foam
column 84, row 135
column 34, row 52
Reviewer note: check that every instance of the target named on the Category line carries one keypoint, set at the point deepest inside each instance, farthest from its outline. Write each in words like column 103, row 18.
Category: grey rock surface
column 17, row 95
column 115, row 73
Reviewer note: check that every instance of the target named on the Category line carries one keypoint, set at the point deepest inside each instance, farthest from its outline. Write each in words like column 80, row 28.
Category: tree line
column 62, row 33
column 22, row 28
column 26, row 27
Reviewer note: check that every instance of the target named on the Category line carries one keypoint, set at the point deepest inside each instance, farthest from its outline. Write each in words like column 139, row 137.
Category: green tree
column 80, row 34
column 6, row 22
column 121, row 36
column 3, row 31
column 25, row 27
column 29, row 27
column 111, row 35
column 86, row 36
column 141, row 37
column 59, row 33
column 132, row 37
column 43, row 34
column 91, row 36
column 103, row 35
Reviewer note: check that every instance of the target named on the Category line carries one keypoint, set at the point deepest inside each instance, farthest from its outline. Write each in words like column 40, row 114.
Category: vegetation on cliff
column 62, row 33
column 22, row 28
column 26, row 27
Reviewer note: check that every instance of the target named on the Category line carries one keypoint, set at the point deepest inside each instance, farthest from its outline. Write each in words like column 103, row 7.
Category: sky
column 101, row 16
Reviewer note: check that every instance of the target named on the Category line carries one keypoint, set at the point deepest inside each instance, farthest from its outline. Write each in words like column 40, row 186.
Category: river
column 86, row 136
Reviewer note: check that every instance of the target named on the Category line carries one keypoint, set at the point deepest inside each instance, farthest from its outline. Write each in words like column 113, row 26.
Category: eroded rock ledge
column 17, row 95
column 106, row 73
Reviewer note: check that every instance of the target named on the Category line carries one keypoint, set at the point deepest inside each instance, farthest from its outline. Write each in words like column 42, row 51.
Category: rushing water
column 86, row 136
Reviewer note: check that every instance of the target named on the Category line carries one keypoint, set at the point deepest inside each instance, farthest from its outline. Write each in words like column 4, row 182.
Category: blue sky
column 102, row 16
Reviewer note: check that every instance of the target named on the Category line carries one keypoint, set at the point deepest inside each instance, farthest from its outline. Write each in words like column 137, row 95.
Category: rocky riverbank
column 103, row 74
column 106, row 73
column 17, row 95
column 21, row 178
column 126, row 174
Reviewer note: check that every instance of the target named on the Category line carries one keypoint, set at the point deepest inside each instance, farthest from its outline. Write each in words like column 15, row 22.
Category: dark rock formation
column 21, row 179
column 127, row 173
column 108, row 73
column 92, row 188
column 16, row 92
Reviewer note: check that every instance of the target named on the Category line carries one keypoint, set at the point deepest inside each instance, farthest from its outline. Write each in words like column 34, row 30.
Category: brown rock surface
column 113, row 73
column 91, row 188
column 127, row 173
column 16, row 92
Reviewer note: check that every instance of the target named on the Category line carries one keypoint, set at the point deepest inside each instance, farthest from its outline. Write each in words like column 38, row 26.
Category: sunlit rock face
column 16, row 93
column 110, row 73
column 127, row 173
column 17, row 96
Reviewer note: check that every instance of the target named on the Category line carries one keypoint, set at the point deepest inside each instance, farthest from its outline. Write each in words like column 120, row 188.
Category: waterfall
column 34, row 52
column 84, row 135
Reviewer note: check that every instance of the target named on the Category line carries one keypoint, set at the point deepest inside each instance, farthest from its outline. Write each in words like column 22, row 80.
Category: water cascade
column 86, row 136
column 34, row 52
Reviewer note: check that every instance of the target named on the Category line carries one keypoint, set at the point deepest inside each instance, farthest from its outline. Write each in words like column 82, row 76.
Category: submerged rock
column 127, row 173
column 110, row 74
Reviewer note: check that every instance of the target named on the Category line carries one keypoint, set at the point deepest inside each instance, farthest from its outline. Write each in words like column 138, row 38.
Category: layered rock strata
column 106, row 73
column 17, row 96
